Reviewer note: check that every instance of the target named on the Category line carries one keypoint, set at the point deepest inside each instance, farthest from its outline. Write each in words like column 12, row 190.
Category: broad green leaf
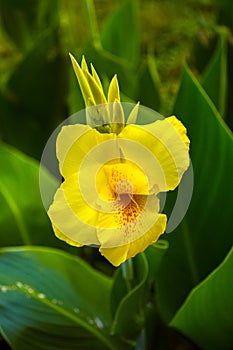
column 23, row 219
column 128, row 306
column 207, row 315
column 204, row 237
column 214, row 79
column 52, row 300
column 120, row 35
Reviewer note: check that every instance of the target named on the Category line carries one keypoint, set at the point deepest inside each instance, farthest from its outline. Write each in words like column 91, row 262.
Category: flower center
column 125, row 199
column 124, row 186
column 128, row 206
column 129, row 209
column 124, row 190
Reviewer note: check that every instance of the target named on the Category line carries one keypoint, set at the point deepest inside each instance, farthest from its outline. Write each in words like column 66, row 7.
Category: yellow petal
column 73, row 218
column 126, row 177
column 161, row 150
column 62, row 237
column 91, row 146
column 103, row 186
column 128, row 221
column 68, row 135
column 176, row 132
column 119, row 254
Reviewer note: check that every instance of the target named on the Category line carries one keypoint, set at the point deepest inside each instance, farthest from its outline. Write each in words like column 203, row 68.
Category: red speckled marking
column 129, row 208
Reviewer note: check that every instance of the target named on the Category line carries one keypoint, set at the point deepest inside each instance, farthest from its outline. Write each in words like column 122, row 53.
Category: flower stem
column 128, row 274
column 93, row 24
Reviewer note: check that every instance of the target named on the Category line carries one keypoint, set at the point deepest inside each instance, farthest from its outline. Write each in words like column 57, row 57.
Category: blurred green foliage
column 144, row 43
column 189, row 284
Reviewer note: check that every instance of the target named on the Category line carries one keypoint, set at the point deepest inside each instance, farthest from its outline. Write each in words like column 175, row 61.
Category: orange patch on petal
column 126, row 177
column 130, row 207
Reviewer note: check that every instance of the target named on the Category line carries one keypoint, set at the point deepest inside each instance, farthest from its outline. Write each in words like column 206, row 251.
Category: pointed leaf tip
column 95, row 76
column 113, row 91
column 84, row 65
column 132, row 119
column 83, row 83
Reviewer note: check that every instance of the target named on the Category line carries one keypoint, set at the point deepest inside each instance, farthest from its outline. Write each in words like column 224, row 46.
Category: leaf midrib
column 60, row 310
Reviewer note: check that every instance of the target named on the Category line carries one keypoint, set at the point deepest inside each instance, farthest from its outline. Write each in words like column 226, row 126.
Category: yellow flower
column 111, row 179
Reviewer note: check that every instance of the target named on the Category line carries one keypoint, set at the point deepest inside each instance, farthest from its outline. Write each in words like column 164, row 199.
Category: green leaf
column 214, row 79
column 128, row 307
column 23, row 219
column 120, row 34
column 154, row 254
column 21, row 28
column 226, row 12
column 149, row 85
column 34, row 100
column 52, row 300
column 28, row 20
column 204, row 237
column 154, row 326
column 207, row 315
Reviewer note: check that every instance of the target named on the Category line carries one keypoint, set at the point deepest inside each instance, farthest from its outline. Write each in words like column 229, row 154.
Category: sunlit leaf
column 207, row 315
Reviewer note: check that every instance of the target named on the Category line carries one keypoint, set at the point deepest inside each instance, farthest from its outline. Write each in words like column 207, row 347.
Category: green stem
column 93, row 24
column 128, row 274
